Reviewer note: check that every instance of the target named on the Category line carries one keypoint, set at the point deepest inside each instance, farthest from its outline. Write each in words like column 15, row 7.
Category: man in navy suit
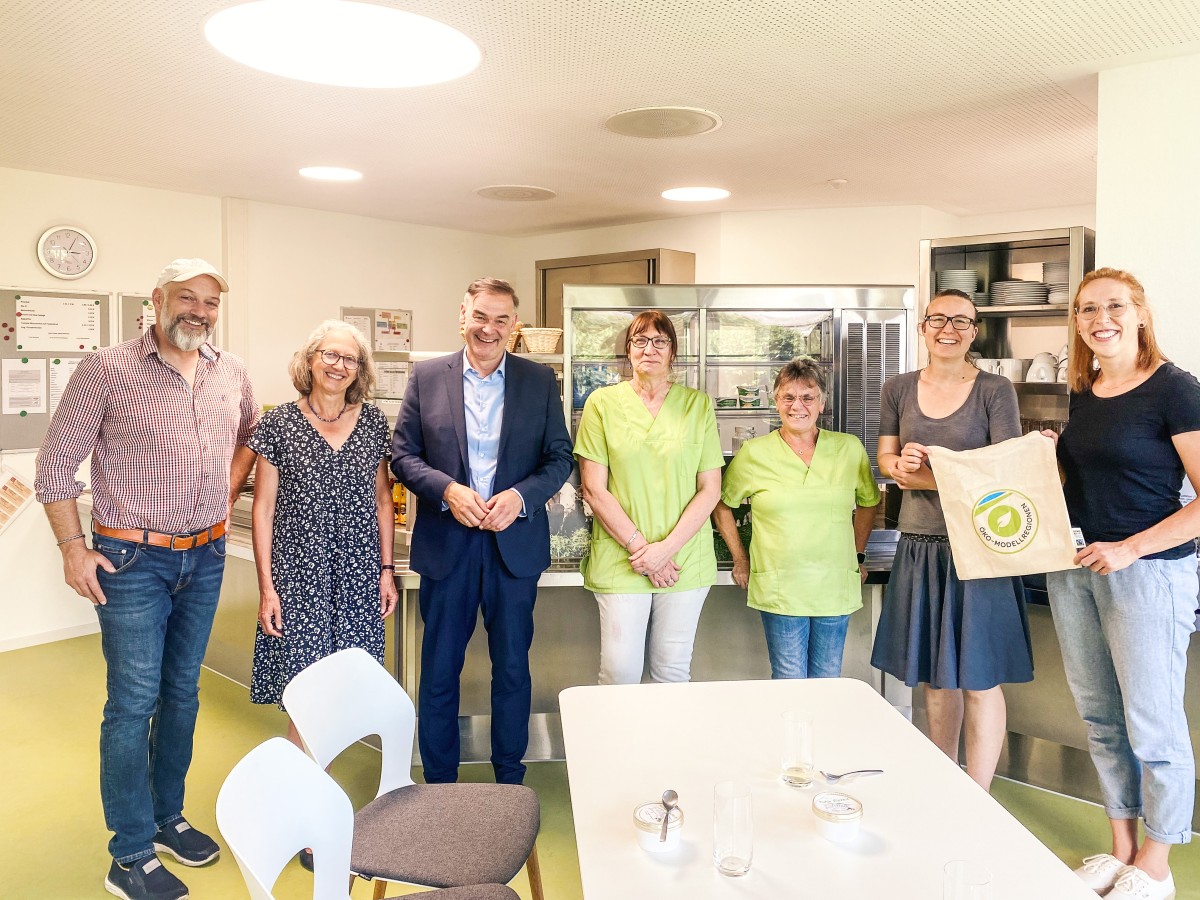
column 482, row 442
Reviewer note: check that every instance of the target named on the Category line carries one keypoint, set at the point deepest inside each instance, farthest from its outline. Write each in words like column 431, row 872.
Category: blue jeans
column 154, row 630
column 805, row 646
column 1124, row 640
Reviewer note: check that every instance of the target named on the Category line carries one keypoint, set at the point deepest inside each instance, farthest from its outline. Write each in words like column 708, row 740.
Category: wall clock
column 66, row 252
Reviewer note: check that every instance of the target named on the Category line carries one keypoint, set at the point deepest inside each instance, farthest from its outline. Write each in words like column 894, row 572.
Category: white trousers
column 672, row 620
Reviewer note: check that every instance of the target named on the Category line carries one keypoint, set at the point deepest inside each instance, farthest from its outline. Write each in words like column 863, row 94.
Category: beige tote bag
column 1004, row 508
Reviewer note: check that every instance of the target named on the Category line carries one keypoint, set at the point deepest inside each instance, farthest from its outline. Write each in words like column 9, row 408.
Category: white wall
column 137, row 230
column 1025, row 220
column 1148, row 191
column 863, row 245
column 856, row 245
column 301, row 265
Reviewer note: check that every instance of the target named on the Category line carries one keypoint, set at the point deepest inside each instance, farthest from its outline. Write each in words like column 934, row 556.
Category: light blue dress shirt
column 483, row 408
column 483, row 404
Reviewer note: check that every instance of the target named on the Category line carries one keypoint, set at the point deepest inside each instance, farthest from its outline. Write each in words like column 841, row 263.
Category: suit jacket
column 429, row 451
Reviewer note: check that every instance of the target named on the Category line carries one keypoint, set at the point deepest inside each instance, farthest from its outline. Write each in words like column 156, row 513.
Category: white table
column 626, row 744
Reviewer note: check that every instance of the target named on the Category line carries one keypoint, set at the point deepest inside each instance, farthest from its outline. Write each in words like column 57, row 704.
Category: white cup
column 986, row 365
column 733, row 828
column 1010, row 368
column 963, row 879
column 1045, row 359
column 796, row 761
column 1041, row 372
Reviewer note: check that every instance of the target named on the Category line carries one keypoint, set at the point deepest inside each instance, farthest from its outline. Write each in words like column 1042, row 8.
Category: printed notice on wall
column 15, row 494
column 61, row 371
column 22, row 386
column 393, row 330
column 391, row 380
column 57, row 324
column 362, row 323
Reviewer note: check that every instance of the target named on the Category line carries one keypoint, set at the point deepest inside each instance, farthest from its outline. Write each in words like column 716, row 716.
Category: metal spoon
column 834, row 779
column 669, row 801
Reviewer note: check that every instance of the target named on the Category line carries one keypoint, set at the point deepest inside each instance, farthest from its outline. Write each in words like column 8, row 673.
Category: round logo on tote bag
column 1005, row 521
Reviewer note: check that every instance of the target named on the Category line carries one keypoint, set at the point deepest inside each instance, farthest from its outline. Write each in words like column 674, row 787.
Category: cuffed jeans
column 672, row 619
column 154, row 630
column 805, row 646
column 1124, row 640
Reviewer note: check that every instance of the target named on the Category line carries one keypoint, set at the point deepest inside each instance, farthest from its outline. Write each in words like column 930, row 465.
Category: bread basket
column 511, row 346
column 541, row 340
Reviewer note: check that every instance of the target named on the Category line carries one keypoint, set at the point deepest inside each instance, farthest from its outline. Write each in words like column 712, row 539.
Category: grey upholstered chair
column 277, row 801
column 435, row 835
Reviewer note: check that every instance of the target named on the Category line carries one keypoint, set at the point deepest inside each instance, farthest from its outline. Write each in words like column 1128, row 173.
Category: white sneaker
column 1134, row 884
column 1100, row 872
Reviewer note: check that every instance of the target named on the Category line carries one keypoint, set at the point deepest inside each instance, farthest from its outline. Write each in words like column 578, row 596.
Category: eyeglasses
column 960, row 323
column 660, row 343
column 1114, row 308
column 331, row 357
column 806, row 399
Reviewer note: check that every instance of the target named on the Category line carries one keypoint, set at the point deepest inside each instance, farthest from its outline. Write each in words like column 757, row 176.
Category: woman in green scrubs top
column 650, row 469
column 812, row 498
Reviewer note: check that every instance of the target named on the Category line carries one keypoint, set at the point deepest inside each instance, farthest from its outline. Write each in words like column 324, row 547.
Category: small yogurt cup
column 647, row 821
column 838, row 816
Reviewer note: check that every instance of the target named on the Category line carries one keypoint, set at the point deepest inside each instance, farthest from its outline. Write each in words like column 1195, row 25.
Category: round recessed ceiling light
column 515, row 192
column 341, row 42
column 330, row 173
column 663, row 122
column 694, row 194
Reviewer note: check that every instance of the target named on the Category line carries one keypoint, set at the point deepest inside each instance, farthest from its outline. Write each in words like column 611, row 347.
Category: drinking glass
column 796, row 762
column 966, row 880
column 733, row 828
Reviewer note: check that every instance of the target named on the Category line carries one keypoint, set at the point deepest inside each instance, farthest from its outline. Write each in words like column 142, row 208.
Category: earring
column 1142, row 325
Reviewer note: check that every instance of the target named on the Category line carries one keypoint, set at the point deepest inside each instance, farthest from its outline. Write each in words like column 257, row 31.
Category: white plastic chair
column 277, row 801
column 438, row 835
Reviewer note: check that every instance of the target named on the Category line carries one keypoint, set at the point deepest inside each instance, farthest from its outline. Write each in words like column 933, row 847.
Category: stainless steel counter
column 566, row 647
column 1046, row 742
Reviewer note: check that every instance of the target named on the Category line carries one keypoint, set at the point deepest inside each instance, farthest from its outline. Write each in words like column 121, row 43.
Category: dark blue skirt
column 947, row 633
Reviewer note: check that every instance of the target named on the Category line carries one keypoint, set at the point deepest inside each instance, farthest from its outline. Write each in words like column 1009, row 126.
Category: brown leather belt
column 158, row 539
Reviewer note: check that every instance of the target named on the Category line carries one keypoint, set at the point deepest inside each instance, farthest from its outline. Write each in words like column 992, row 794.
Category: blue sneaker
column 185, row 843
column 145, row 879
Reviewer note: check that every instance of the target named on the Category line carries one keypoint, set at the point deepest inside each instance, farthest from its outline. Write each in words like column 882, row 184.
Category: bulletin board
column 388, row 330
column 390, row 333
column 43, row 336
column 135, row 316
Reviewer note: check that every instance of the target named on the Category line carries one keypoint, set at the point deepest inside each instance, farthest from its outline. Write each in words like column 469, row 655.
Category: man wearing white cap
column 165, row 418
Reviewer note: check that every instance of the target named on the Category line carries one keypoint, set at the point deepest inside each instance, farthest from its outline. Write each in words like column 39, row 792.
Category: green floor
column 54, row 836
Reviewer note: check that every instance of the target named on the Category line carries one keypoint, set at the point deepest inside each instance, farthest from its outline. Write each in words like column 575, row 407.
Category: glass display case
column 733, row 340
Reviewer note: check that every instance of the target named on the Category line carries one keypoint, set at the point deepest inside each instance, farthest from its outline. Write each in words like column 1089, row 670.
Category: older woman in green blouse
column 812, row 499
column 650, row 468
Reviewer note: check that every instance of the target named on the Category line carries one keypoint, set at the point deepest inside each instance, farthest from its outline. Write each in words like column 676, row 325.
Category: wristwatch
column 862, row 559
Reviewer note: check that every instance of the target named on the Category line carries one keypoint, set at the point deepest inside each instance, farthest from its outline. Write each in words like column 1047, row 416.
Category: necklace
column 308, row 402
column 803, row 451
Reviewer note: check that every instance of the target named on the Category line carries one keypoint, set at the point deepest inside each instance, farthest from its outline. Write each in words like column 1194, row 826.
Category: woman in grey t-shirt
column 962, row 639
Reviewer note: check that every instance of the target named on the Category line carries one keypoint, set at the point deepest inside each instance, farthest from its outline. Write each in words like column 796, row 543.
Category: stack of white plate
column 964, row 280
column 982, row 298
column 1019, row 293
column 1055, row 275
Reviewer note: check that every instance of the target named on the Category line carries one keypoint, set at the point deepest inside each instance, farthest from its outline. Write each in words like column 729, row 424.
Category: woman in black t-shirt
column 1124, row 619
